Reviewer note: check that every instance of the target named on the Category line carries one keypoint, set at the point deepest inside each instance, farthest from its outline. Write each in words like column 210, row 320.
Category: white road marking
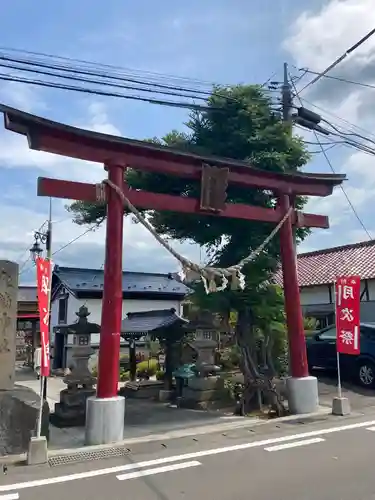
column 370, row 429
column 11, row 496
column 181, row 458
column 294, row 444
column 157, row 470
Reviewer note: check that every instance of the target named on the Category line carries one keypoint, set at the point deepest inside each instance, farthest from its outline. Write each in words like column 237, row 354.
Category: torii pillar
column 105, row 412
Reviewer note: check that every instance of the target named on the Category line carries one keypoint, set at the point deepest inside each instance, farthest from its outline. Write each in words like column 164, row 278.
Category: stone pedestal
column 19, row 410
column 340, row 407
column 71, row 410
column 142, row 389
column 202, row 391
column 105, row 420
column 302, row 395
column 37, row 453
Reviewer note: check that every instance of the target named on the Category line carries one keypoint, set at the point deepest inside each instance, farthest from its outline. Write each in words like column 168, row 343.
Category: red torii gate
column 116, row 154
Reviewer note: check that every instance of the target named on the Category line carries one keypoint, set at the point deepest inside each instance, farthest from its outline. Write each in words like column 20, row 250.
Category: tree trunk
column 253, row 379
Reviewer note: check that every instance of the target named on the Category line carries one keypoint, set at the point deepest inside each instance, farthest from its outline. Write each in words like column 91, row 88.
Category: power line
column 48, row 84
column 106, row 67
column 106, row 78
column 334, row 171
column 350, row 126
column 341, row 79
column 340, row 59
column 85, row 90
column 92, row 228
column 310, row 120
column 344, row 192
column 27, row 250
column 66, row 245
column 111, row 84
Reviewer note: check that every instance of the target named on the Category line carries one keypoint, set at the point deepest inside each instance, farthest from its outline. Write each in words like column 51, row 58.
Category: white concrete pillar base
column 104, row 420
column 340, row 406
column 37, row 453
column 302, row 395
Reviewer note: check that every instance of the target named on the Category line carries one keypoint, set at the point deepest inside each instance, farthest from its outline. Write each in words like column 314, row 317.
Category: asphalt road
column 328, row 460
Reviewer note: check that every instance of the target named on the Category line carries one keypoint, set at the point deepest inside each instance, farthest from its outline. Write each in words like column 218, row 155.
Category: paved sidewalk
column 25, row 376
column 149, row 420
column 359, row 397
column 142, row 417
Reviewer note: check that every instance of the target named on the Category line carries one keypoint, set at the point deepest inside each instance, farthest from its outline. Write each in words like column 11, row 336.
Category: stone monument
column 206, row 387
column 8, row 323
column 19, row 406
column 71, row 410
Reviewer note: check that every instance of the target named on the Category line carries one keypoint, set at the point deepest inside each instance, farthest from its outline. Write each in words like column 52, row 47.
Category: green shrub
column 230, row 358
column 149, row 367
column 160, row 374
column 124, row 376
column 235, row 355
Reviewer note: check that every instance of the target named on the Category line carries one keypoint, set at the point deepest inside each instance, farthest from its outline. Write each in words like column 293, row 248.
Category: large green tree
column 240, row 122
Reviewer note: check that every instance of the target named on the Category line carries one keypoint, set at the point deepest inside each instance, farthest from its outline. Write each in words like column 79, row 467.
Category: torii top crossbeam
column 53, row 137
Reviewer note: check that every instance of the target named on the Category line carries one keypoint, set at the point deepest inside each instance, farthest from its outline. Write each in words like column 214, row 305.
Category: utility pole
column 286, row 98
column 287, row 106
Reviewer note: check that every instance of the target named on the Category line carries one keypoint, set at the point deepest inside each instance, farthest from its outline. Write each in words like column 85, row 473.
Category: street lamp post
column 43, row 238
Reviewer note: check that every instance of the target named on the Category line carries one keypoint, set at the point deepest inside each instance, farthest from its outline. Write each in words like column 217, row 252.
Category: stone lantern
column 71, row 410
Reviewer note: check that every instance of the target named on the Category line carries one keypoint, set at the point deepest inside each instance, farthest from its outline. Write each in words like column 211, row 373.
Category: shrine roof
column 79, row 280
column 323, row 266
column 151, row 321
column 33, row 126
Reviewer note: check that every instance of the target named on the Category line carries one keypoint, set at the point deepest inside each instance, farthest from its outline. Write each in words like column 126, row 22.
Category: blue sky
column 241, row 41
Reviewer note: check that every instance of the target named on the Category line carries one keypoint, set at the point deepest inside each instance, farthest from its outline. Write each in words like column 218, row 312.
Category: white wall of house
column 317, row 298
column 95, row 308
column 314, row 295
column 371, row 289
column 319, row 294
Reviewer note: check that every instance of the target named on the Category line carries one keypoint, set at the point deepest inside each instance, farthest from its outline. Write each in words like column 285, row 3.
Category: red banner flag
column 43, row 270
column 348, row 302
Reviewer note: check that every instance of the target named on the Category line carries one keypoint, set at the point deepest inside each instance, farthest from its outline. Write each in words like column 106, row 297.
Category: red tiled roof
column 323, row 266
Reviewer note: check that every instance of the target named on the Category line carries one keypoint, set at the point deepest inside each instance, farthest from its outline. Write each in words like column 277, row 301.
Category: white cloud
column 15, row 152
column 21, row 96
column 141, row 251
column 319, row 38
column 316, row 39
column 99, row 120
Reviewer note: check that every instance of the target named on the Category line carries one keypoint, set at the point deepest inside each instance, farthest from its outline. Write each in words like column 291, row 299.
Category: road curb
column 232, row 424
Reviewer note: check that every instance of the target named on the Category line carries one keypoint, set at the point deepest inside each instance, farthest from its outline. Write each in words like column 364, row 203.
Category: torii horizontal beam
column 53, row 137
column 163, row 202
column 100, row 154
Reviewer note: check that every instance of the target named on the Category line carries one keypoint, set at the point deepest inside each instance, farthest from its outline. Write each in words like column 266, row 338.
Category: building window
column 207, row 335
column 63, row 310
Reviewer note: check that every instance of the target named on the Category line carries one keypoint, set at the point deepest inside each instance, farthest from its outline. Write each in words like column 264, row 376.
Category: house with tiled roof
column 73, row 287
column 318, row 270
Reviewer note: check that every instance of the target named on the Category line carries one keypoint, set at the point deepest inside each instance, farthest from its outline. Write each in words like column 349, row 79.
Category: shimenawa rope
column 207, row 273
